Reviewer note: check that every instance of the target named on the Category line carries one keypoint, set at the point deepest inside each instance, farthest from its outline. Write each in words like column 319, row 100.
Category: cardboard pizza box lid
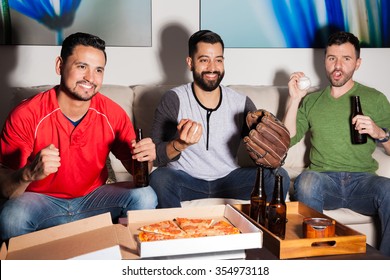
column 75, row 239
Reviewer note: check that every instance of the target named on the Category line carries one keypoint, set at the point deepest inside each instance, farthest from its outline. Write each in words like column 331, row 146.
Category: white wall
column 173, row 21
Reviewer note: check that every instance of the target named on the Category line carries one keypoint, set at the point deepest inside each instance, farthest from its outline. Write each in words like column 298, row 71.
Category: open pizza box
column 89, row 239
column 223, row 246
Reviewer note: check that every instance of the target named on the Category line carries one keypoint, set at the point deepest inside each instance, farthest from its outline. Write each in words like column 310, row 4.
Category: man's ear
column 59, row 65
column 189, row 63
column 358, row 62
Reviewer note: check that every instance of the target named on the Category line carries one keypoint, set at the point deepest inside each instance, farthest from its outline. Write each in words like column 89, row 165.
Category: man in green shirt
column 341, row 174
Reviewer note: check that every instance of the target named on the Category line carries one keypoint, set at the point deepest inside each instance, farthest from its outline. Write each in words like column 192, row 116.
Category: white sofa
column 139, row 101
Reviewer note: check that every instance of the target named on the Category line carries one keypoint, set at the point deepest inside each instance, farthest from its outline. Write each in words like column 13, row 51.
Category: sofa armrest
column 383, row 160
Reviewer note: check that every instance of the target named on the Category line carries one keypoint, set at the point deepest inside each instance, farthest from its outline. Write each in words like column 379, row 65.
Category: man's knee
column 144, row 198
column 162, row 179
column 15, row 221
column 306, row 184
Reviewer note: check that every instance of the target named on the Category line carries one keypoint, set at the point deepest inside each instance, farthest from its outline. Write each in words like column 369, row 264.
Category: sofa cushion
column 123, row 95
column 22, row 93
column 383, row 160
column 367, row 225
column 270, row 98
column 348, row 217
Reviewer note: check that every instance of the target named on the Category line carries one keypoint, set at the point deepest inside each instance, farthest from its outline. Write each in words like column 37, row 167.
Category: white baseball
column 304, row 83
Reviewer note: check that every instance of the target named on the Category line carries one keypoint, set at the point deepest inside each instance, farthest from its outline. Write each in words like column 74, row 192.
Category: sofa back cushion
column 146, row 100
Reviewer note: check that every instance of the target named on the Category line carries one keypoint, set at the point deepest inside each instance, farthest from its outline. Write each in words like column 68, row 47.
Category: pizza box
column 91, row 238
column 228, row 245
column 345, row 241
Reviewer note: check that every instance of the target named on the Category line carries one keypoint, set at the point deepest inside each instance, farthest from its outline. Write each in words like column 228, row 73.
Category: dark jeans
column 362, row 192
column 173, row 186
column 33, row 211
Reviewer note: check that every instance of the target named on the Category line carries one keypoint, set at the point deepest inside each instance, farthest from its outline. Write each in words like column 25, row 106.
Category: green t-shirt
column 328, row 119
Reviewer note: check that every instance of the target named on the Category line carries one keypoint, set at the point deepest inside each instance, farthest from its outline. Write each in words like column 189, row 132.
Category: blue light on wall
column 48, row 22
column 296, row 23
column 54, row 17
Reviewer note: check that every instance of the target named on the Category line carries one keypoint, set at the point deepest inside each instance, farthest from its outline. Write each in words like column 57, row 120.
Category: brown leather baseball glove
column 268, row 140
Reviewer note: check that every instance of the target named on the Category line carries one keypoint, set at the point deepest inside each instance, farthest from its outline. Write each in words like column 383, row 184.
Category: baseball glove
column 268, row 140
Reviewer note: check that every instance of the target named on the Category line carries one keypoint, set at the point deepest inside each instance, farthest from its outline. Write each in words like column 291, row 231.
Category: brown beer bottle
column 277, row 210
column 141, row 168
column 258, row 199
column 357, row 138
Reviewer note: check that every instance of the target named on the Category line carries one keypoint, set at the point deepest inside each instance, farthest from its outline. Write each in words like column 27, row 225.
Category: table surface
column 371, row 254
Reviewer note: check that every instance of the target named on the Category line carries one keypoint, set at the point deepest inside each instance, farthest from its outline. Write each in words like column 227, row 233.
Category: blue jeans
column 364, row 193
column 33, row 211
column 173, row 186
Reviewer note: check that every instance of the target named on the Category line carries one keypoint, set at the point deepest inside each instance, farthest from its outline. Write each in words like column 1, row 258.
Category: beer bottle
column 357, row 138
column 258, row 199
column 141, row 168
column 277, row 216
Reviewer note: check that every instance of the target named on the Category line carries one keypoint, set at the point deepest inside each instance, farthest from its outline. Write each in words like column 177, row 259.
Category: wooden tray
column 346, row 241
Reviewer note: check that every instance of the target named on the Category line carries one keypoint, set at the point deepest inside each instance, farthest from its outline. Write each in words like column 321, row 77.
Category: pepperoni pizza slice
column 167, row 227
column 194, row 227
column 222, row 228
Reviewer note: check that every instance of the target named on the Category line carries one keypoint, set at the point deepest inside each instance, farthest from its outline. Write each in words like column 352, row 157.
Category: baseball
column 304, row 83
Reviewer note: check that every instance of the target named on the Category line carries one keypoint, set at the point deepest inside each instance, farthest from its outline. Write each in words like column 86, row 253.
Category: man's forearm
column 12, row 183
column 290, row 117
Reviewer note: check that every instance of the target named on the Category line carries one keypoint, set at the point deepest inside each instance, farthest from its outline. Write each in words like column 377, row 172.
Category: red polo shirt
column 38, row 122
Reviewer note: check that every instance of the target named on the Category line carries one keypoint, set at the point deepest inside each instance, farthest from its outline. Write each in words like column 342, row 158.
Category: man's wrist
column 175, row 147
column 24, row 177
column 386, row 138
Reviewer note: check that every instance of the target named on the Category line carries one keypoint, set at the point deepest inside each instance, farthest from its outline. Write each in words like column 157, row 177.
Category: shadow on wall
column 173, row 53
column 8, row 62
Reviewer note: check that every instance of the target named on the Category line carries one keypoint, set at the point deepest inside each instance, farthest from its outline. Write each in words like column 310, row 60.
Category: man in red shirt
column 54, row 147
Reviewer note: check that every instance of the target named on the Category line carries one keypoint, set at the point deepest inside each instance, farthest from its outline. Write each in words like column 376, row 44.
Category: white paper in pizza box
column 249, row 238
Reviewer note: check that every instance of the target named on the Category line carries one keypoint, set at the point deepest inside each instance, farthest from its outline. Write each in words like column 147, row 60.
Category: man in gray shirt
column 197, row 130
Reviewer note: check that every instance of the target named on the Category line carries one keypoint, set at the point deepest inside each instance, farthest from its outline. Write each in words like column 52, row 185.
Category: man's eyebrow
column 85, row 63
column 80, row 62
column 204, row 55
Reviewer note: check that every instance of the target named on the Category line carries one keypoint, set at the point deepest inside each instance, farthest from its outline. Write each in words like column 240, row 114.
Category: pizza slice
column 194, row 227
column 166, row 227
column 185, row 228
column 144, row 236
column 222, row 228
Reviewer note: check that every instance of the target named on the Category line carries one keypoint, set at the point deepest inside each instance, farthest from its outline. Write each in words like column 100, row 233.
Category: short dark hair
column 205, row 36
column 343, row 37
column 84, row 39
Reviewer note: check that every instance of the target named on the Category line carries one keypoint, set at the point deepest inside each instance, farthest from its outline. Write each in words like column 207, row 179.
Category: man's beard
column 75, row 95
column 207, row 85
